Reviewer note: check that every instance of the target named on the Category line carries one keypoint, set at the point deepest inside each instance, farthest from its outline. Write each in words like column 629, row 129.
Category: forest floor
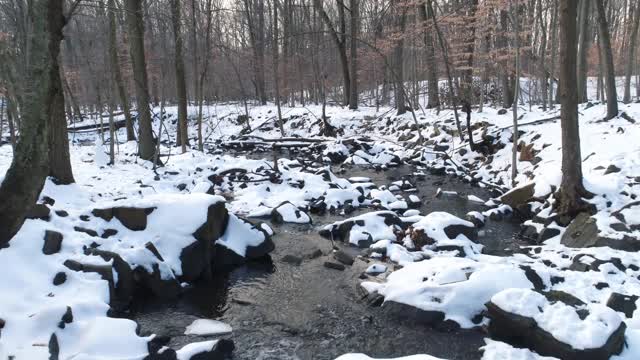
column 382, row 246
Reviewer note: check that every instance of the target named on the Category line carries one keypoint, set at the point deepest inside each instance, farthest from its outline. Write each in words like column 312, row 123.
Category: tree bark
column 59, row 159
column 569, row 196
column 117, row 74
column 353, row 91
column 432, row 69
column 182, row 138
column 30, row 165
column 135, row 25
column 398, row 65
column 607, row 56
column 342, row 48
column 630, row 55
column 583, row 47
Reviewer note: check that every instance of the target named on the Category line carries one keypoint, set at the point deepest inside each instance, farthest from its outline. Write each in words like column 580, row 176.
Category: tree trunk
column 117, row 74
column 630, row 55
column 571, row 191
column 353, row 91
column 554, row 49
column 342, row 48
column 398, row 65
column 59, row 160
column 182, row 138
column 276, row 65
column 507, row 95
column 30, row 165
column 135, row 25
column 583, row 48
column 432, row 69
column 607, row 56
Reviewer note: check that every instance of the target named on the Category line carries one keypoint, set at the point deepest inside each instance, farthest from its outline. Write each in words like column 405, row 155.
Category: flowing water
column 283, row 311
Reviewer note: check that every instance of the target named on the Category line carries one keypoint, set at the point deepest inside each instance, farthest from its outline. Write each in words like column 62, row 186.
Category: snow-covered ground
column 444, row 271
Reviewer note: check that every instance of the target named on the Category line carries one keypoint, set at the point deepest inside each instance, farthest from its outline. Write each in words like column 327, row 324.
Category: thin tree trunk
column 583, row 48
column 117, row 74
column 431, row 64
column 398, row 65
column 276, row 65
column 516, row 39
column 554, row 49
column 30, row 165
column 445, row 55
column 182, row 138
column 630, row 54
column 135, row 24
column 353, row 91
column 607, row 56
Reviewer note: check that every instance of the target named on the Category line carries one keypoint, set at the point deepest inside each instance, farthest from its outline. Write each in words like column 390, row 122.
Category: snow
column 458, row 287
column 462, row 285
column 376, row 269
column 240, row 235
column 207, row 327
column 190, row 350
column 496, row 350
column 561, row 320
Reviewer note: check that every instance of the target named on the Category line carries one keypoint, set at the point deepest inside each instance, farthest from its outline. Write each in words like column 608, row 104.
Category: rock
column 314, row 254
column 611, row 169
column 132, row 218
column 122, row 291
column 107, row 233
column 60, row 278
column 625, row 304
column 197, row 258
column 54, row 347
column 2, row 323
column 52, row 242
column 333, row 265
column 86, row 231
column 547, row 233
column 413, row 315
column 452, row 231
column 441, row 147
column 67, row 318
column 502, row 111
column 38, row 211
column 62, row 213
column 533, row 277
column 523, row 331
column 292, row 260
column 162, row 288
column 476, row 218
column 519, row 195
column 221, row 350
column 343, row 257
column 286, row 212
column 583, row 232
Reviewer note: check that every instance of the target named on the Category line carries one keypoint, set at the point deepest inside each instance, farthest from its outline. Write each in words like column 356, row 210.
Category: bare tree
column 135, row 25
column 607, row 56
column 30, row 165
column 569, row 196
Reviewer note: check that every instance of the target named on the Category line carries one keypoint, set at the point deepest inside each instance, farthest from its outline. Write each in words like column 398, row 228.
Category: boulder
column 583, row 232
column 52, row 242
column 625, row 304
column 521, row 328
column 196, row 259
column 519, row 195
column 38, row 211
column 163, row 288
column 121, row 291
column 343, row 257
column 289, row 213
column 132, row 218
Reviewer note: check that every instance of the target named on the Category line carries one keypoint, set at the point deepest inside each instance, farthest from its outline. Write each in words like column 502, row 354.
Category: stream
column 284, row 311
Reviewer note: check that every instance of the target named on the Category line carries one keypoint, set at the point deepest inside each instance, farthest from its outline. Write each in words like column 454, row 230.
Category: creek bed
column 283, row 311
